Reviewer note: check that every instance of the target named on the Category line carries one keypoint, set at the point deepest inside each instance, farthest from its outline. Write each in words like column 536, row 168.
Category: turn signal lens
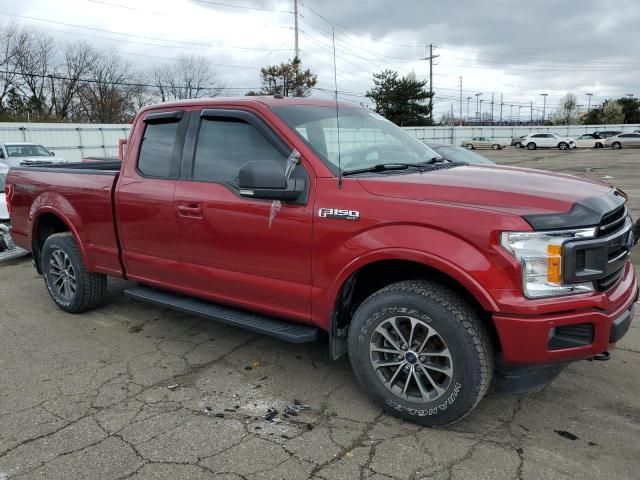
column 554, row 272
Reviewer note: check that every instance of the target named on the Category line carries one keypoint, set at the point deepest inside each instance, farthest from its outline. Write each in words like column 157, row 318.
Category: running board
column 282, row 329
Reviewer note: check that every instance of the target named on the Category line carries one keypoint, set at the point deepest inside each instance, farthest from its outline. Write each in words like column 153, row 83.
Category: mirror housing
column 52, row 154
column 266, row 180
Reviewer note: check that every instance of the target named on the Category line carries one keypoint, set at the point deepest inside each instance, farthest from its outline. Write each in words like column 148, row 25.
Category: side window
column 225, row 144
column 156, row 151
column 538, row 135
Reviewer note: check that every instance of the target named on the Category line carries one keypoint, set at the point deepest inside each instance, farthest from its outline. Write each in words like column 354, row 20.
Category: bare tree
column 105, row 96
column 190, row 76
column 34, row 57
column 568, row 111
column 8, row 70
column 77, row 64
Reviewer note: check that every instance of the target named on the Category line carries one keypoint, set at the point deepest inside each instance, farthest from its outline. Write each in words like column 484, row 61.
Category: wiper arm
column 435, row 160
column 382, row 167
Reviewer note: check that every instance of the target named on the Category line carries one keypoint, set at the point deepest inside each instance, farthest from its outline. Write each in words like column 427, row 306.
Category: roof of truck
column 269, row 100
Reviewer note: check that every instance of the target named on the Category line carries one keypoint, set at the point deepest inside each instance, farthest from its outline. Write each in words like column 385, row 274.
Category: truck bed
column 79, row 193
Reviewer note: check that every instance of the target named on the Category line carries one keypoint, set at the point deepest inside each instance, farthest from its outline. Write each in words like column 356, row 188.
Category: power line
column 243, row 7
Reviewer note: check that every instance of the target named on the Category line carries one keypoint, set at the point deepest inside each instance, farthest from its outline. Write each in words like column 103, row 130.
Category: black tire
column 463, row 333
column 469, row 146
column 563, row 145
column 495, row 146
column 616, row 145
column 599, row 145
column 517, row 144
column 531, row 146
column 90, row 288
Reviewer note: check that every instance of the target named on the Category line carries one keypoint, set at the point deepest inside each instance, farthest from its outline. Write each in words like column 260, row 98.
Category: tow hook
column 601, row 357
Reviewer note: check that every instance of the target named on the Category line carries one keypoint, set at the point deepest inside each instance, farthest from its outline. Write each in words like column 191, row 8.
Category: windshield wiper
column 435, row 160
column 383, row 167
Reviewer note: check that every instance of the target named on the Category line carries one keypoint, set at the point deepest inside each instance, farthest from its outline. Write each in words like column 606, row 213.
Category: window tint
column 539, row 135
column 225, row 145
column 156, row 151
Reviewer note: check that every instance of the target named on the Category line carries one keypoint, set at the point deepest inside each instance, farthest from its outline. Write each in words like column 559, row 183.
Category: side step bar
column 282, row 329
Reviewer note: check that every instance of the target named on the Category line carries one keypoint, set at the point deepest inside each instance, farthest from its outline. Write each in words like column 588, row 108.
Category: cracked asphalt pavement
column 134, row 391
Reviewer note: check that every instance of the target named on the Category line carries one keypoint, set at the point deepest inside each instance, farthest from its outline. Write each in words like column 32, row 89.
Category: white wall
column 73, row 141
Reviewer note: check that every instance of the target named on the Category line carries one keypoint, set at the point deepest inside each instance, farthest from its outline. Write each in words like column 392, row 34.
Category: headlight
column 540, row 254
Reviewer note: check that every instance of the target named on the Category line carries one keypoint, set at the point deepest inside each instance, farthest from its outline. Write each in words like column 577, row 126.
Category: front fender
column 477, row 270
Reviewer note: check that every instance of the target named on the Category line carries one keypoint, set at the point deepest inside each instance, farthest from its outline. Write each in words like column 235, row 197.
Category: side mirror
column 52, row 154
column 266, row 180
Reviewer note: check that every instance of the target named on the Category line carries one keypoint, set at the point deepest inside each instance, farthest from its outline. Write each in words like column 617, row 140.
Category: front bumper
column 527, row 339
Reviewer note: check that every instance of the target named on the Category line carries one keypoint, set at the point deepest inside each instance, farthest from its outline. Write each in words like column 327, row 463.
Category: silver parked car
column 623, row 140
column 482, row 142
column 16, row 154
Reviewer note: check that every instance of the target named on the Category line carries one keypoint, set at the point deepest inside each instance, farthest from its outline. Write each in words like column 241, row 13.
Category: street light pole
column 544, row 106
column 468, row 100
column 589, row 95
column 480, row 111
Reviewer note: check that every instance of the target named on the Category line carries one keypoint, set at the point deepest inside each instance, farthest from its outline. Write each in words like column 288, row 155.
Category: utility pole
column 460, row 101
column 510, row 114
column 491, row 108
column 481, row 122
column 478, row 106
column 430, row 59
column 295, row 17
column 452, row 117
column 468, row 100
column 531, row 110
column 501, row 99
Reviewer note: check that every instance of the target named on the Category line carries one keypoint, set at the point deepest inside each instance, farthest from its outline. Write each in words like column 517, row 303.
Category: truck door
column 147, row 222
column 246, row 252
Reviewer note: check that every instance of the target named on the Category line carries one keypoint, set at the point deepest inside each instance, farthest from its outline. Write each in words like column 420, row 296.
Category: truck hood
column 511, row 190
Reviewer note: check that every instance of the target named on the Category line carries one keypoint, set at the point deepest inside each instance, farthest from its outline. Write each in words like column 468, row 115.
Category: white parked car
column 590, row 140
column 15, row 154
column 547, row 140
column 8, row 249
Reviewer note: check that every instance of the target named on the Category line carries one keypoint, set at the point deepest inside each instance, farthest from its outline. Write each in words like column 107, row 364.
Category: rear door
column 147, row 223
column 247, row 252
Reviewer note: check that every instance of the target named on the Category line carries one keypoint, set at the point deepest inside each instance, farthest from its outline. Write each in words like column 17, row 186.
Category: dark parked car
column 458, row 154
column 607, row 133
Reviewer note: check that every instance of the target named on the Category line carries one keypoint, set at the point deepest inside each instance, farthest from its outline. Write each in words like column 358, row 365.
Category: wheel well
column 375, row 276
column 47, row 225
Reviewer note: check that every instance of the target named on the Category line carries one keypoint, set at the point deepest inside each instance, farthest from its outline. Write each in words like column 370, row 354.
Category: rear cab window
column 161, row 144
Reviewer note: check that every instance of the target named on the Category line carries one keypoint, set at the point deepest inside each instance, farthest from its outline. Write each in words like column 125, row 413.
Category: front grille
column 609, row 281
column 613, row 221
column 581, row 260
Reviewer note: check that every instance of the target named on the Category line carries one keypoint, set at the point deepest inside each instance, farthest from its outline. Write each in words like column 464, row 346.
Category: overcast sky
column 516, row 48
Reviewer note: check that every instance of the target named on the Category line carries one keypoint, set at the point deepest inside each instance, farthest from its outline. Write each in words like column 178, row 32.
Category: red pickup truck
column 301, row 218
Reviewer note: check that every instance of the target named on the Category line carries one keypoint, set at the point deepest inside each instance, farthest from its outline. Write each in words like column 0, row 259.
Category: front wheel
column 563, row 146
column 421, row 352
column 495, row 146
column 531, row 146
column 616, row 145
column 469, row 146
column 70, row 285
column 517, row 145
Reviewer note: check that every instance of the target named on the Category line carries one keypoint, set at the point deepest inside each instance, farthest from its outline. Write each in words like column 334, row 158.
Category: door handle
column 190, row 210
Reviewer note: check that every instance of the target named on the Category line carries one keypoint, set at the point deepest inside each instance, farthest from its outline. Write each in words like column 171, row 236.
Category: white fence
column 71, row 141
column 74, row 141
column 455, row 135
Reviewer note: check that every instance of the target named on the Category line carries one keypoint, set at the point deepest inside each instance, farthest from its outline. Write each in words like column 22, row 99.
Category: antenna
column 335, row 82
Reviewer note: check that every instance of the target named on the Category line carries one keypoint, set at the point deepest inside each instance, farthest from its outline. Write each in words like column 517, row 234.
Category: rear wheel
column 421, row 352
column 517, row 144
column 469, row 146
column 616, row 145
column 563, row 145
column 495, row 146
column 531, row 146
column 70, row 285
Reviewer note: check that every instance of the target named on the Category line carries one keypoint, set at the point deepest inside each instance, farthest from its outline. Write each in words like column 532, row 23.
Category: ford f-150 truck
column 302, row 218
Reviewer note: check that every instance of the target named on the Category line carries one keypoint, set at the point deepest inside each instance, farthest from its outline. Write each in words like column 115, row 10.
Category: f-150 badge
column 339, row 213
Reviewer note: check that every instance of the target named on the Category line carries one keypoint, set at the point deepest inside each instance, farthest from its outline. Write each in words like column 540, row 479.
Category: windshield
column 365, row 138
column 458, row 154
column 27, row 151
